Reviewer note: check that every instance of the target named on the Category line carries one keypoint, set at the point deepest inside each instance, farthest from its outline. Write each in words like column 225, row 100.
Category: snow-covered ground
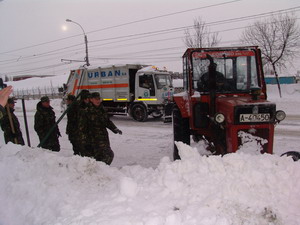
column 143, row 186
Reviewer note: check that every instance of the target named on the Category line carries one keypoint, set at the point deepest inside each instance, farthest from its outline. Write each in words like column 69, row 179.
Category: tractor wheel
column 181, row 130
column 139, row 112
column 295, row 155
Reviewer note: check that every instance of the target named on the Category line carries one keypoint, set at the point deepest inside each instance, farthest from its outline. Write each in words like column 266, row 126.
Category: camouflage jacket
column 44, row 119
column 72, row 124
column 8, row 134
column 82, row 127
column 2, row 111
column 94, row 123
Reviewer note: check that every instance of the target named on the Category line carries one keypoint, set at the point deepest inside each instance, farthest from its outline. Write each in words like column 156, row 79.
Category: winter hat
column 84, row 94
column 95, row 95
column 71, row 97
column 45, row 99
column 11, row 101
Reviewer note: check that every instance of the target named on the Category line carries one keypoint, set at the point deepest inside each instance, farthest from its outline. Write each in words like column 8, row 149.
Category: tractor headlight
column 280, row 115
column 219, row 118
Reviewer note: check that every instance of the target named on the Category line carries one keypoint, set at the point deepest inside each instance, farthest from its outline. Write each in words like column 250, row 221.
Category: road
column 289, row 127
column 146, row 143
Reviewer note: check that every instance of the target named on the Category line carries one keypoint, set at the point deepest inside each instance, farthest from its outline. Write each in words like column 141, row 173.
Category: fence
column 37, row 93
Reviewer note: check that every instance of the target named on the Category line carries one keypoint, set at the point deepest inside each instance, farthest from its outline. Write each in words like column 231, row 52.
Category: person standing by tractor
column 94, row 124
column 12, row 131
column 72, row 124
column 44, row 120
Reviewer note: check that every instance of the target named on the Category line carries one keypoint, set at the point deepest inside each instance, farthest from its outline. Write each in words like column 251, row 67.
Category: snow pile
column 43, row 187
column 251, row 144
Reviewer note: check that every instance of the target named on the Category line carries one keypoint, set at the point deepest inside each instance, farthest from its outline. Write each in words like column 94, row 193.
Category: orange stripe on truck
column 75, row 86
column 102, row 86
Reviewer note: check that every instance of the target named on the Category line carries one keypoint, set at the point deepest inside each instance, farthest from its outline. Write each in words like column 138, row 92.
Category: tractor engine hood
column 235, row 107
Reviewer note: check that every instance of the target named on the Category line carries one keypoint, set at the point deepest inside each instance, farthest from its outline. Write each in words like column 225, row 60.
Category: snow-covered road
column 145, row 143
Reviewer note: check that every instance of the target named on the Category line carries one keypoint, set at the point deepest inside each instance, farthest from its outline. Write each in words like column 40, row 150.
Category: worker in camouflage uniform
column 44, row 120
column 72, row 124
column 11, row 134
column 84, row 103
column 94, row 124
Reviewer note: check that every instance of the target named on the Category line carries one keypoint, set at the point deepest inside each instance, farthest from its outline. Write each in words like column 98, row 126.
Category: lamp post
column 86, row 59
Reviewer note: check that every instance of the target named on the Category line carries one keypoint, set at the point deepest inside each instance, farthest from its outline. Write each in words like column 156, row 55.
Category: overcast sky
column 33, row 40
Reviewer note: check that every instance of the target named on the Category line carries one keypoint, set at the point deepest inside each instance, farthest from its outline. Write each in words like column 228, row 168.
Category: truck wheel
column 139, row 112
column 157, row 114
column 181, row 130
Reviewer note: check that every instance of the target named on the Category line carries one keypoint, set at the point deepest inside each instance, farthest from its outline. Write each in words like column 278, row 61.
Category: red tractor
column 224, row 98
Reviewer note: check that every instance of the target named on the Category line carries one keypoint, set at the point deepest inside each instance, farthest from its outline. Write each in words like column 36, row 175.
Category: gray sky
column 32, row 40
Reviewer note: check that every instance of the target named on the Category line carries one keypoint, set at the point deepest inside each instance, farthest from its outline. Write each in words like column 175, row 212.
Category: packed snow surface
column 143, row 186
column 42, row 187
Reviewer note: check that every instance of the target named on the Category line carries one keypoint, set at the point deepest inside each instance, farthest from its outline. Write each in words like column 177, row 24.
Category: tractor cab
column 233, row 71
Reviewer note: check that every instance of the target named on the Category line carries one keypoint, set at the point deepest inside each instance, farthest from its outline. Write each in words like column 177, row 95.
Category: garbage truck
column 132, row 89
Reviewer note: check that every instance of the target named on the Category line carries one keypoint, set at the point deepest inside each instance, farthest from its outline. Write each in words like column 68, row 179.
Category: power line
column 166, row 31
column 124, row 24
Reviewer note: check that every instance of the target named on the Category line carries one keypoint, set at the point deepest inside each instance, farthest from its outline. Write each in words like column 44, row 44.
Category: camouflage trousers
column 53, row 146
column 100, row 152
column 52, row 143
column 103, row 153
column 75, row 145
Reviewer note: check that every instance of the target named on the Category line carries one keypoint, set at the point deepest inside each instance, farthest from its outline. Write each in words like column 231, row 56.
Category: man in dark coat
column 44, row 120
column 14, row 134
column 72, row 124
column 84, row 104
column 94, row 124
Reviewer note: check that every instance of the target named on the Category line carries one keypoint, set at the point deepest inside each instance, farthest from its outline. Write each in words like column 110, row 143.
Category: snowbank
column 43, row 187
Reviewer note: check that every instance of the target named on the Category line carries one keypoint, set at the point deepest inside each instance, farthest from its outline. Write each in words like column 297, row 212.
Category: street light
column 86, row 59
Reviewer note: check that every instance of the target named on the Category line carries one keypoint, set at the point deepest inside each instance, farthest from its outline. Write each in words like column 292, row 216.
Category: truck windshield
column 162, row 80
column 236, row 70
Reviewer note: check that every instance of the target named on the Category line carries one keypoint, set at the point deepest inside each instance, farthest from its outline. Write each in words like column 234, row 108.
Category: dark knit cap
column 11, row 101
column 45, row 99
column 95, row 95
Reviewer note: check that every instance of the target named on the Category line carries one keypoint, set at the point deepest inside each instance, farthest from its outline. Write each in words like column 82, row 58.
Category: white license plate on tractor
column 260, row 117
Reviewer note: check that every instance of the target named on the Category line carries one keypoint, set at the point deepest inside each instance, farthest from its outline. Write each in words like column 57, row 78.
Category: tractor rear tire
column 295, row 155
column 181, row 130
column 139, row 112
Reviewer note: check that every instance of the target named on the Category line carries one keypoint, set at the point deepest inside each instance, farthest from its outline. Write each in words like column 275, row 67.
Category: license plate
column 260, row 117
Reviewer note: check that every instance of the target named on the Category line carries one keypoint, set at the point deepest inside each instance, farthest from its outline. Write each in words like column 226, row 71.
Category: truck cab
column 224, row 100
column 152, row 93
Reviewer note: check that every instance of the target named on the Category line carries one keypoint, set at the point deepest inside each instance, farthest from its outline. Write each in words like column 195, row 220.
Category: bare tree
column 278, row 38
column 201, row 36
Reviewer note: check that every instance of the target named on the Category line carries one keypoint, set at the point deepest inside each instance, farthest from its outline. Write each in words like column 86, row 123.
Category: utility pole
column 86, row 59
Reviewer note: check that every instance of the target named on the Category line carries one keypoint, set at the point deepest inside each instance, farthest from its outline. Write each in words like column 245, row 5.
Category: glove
column 117, row 131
